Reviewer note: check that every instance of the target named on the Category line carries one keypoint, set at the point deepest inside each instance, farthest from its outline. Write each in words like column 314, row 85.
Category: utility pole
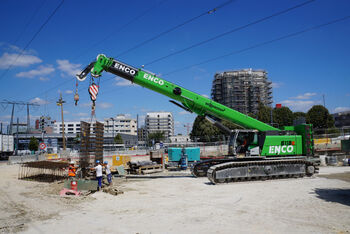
column 187, row 126
column 17, row 136
column 28, row 119
column 324, row 101
column 60, row 103
column 13, row 111
column 11, row 122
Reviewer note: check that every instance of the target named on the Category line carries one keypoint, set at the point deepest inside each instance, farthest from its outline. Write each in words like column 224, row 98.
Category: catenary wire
column 176, row 27
column 32, row 39
column 29, row 21
column 262, row 44
column 143, row 13
column 231, row 31
column 99, row 42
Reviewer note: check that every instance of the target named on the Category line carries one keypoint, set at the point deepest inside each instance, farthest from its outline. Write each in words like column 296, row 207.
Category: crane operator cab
column 244, row 143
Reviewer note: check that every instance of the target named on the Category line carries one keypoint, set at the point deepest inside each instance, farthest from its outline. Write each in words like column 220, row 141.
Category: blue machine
column 193, row 154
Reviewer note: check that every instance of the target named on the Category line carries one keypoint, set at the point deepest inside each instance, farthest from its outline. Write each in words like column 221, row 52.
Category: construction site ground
column 180, row 203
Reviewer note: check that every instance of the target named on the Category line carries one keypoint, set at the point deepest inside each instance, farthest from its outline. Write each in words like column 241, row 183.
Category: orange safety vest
column 71, row 171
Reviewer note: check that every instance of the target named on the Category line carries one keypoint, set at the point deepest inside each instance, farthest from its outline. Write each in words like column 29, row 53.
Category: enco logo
column 153, row 78
column 274, row 149
column 125, row 69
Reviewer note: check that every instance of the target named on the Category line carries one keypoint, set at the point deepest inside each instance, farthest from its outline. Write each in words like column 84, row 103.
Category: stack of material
column 144, row 167
column 45, row 171
column 112, row 190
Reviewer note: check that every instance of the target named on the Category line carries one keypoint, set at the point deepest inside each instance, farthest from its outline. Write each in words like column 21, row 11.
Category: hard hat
column 97, row 161
column 106, row 162
column 71, row 162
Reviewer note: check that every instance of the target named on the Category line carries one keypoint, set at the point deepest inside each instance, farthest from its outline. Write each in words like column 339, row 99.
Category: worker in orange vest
column 72, row 170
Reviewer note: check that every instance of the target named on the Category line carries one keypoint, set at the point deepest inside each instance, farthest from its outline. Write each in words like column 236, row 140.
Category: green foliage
column 297, row 115
column 264, row 113
column 230, row 125
column 77, row 139
column 204, row 131
column 118, row 139
column 283, row 116
column 319, row 117
column 33, row 144
column 156, row 136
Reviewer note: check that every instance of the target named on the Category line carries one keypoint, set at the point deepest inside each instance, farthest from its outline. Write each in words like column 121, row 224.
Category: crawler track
column 261, row 170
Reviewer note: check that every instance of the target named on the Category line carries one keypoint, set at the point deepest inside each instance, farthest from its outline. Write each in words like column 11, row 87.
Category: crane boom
column 191, row 101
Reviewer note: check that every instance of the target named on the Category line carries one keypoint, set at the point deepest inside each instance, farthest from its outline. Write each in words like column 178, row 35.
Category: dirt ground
column 181, row 204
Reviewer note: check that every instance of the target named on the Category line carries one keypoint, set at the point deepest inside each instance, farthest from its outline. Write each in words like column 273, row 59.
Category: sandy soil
column 181, row 205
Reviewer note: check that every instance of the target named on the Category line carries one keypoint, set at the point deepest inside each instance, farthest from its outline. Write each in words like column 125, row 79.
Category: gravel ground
column 182, row 205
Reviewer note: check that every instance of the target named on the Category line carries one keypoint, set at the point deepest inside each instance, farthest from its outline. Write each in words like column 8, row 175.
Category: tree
column 33, row 144
column 264, row 113
column 230, row 125
column 319, row 117
column 156, row 137
column 203, row 130
column 283, row 116
column 118, row 139
column 299, row 115
column 77, row 139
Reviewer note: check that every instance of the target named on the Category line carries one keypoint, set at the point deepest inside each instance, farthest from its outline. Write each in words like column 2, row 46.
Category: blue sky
column 302, row 68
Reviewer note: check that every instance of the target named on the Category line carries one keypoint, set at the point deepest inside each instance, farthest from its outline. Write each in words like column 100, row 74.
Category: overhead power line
column 231, row 31
column 176, row 27
column 32, row 39
column 120, row 28
column 262, row 44
column 29, row 21
column 99, row 42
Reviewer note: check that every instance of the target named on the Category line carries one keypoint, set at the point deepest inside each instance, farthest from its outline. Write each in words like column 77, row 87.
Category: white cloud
column 44, row 79
column 178, row 124
column 184, row 112
column 68, row 68
column 40, row 71
column 305, row 96
column 80, row 114
column 15, row 60
column 39, row 101
column 104, row 105
column 5, row 117
column 86, row 104
column 276, row 85
column 299, row 105
column 123, row 82
column 68, row 91
column 204, row 95
column 341, row 109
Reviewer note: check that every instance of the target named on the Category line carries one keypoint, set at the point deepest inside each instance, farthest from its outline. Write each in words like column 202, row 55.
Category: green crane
column 258, row 151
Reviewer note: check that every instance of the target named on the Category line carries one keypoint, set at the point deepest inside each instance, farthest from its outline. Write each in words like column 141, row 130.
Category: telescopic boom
column 190, row 101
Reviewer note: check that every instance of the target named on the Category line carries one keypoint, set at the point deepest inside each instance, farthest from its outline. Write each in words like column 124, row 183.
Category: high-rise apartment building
column 69, row 127
column 160, row 122
column 120, row 124
column 242, row 90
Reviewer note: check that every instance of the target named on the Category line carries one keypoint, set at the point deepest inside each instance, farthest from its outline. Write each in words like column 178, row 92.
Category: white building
column 160, row 122
column 180, row 139
column 69, row 127
column 120, row 124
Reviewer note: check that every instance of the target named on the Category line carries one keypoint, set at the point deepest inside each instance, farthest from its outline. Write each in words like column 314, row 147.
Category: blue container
column 174, row 154
column 193, row 154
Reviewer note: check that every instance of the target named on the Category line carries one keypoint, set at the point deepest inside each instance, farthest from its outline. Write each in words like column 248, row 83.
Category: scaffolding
column 91, row 143
column 242, row 90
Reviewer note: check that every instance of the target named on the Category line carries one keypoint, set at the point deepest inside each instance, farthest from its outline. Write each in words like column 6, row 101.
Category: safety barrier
column 26, row 158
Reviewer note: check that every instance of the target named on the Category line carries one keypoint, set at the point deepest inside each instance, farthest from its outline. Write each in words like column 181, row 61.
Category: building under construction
column 242, row 90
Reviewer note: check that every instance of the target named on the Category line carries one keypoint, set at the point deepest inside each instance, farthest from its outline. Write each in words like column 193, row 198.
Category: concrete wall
column 217, row 150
